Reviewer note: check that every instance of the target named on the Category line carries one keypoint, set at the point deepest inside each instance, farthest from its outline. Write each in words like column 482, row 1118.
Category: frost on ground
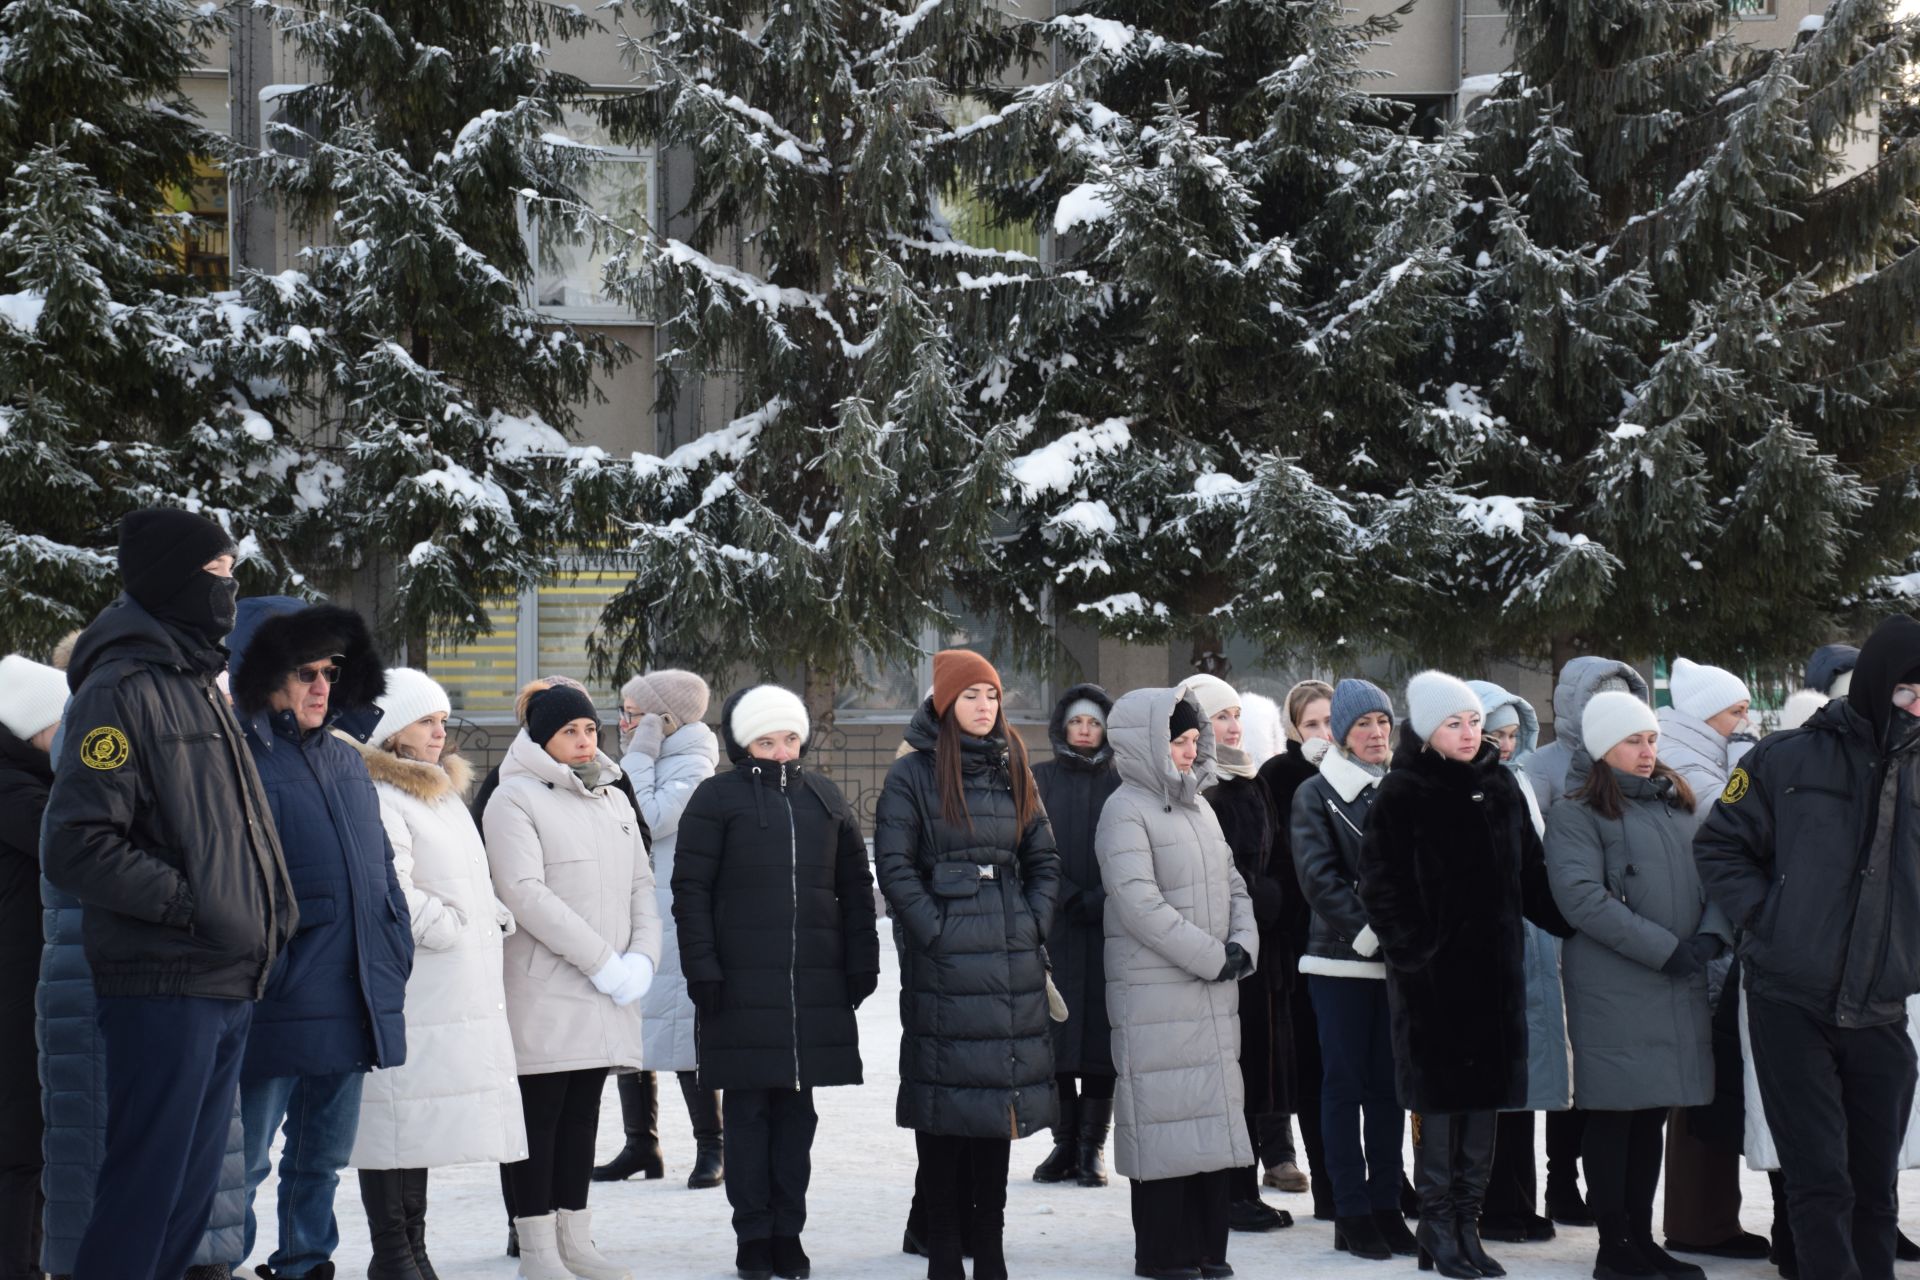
column 862, row 1182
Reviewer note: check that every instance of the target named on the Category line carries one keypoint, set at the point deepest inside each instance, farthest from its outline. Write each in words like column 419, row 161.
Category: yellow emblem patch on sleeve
column 1737, row 786
column 104, row 748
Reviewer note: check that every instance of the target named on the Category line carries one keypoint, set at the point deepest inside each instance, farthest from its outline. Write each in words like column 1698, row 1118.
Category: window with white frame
column 567, row 280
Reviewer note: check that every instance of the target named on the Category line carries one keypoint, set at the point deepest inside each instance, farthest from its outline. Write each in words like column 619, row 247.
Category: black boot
column 1905, row 1250
column 506, row 1198
column 380, row 1192
column 1565, row 1205
column 413, row 1193
column 1619, row 1258
column 1393, row 1230
column 703, row 1107
column 790, row 1261
column 1361, row 1237
column 1063, row 1162
column 1473, row 1166
column 988, row 1218
column 1096, row 1118
column 753, row 1259
column 1434, row 1163
column 640, row 1115
column 1255, row 1215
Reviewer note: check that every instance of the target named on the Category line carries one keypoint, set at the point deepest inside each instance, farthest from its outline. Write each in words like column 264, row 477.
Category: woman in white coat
column 569, row 861
column 668, row 753
column 456, row 1099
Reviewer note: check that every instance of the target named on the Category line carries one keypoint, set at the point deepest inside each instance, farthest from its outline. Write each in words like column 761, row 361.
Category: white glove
column 608, row 978
column 1367, row 942
column 639, row 977
column 1315, row 750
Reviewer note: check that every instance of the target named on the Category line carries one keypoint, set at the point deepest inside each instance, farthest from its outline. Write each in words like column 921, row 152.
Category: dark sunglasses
column 331, row 672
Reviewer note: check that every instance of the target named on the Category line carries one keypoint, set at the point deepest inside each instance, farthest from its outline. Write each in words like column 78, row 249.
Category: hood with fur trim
column 275, row 634
column 427, row 783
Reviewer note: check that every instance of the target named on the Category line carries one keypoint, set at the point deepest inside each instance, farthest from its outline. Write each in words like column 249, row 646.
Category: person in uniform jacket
column 1073, row 785
column 158, row 824
column 774, row 905
column 966, row 860
column 1813, row 852
column 333, row 1010
column 1450, row 869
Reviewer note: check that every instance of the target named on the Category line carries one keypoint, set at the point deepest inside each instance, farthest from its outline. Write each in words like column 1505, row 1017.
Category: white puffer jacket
column 456, row 1100
column 663, row 785
column 570, row 864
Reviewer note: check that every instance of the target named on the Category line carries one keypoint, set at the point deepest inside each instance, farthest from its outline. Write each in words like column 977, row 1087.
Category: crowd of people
column 247, row 897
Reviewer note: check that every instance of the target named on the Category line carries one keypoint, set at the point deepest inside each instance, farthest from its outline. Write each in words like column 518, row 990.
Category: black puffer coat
column 773, row 900
column 976, row 1055
column 1245, row 810
column 1073, row 787
column 25, row 776
column 1449, row 867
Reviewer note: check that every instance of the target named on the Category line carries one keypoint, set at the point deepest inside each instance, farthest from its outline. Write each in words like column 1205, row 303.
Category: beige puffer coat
column 456, row 1100
column 570, row 864
column 1174, row 901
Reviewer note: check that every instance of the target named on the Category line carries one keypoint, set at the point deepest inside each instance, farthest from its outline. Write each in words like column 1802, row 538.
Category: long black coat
column 773, row 900
column 976, row 1055
column 1245, row 810
column 1073, row 787
column 26, row 775
column 1282, row 776
column 1449, row 867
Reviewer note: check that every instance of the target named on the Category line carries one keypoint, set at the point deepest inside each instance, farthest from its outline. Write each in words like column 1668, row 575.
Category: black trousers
column 962, row 1178
column 1838, row 1100
column 769, row 1160
column 1566, row 1132
column 1092, row 1088
column 1513, row 1187
column 1306, row 1074
column 20, row 1127
column 1621, row 1155
column 1181, row 1222
column 562, row 1110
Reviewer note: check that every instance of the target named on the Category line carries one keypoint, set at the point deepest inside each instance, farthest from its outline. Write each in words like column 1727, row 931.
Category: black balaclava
column 161, row 553
column 1890, row 656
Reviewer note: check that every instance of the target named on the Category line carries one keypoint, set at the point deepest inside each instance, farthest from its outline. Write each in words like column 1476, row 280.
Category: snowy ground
column 862, row 1181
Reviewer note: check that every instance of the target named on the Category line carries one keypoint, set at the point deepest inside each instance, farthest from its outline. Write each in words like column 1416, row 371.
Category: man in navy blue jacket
column 332, row 1009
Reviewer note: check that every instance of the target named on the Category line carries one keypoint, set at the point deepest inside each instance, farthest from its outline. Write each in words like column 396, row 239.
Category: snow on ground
column 862, row 1182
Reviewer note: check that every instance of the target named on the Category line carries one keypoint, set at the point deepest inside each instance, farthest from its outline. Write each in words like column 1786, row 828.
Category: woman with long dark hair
column 966, row 859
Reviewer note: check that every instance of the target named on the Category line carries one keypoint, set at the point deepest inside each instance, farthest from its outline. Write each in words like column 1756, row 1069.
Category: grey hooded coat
column 1641, row 1038
column 1174, row 901
column 1580, row 679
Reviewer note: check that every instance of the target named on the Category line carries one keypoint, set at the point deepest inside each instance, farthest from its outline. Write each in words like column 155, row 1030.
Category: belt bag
column 960, row 879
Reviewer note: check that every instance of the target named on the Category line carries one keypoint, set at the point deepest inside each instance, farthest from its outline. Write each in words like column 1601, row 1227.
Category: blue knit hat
column 1355, row 698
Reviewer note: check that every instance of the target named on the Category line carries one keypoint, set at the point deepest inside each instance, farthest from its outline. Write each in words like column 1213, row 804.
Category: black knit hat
column 1184, row 717
column 161, row 548
column 553, row 709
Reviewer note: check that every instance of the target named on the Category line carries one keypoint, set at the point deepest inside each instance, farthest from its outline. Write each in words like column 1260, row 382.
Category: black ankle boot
column 380, row 1193
column 640, row 1116
column 1096, row 1118
column 753, row 1260
column 1063, row 1162
column 790, row 1261
column 1360, row 1236
column 1618, row 1257
column 1394, row 1233
column 703, row 1108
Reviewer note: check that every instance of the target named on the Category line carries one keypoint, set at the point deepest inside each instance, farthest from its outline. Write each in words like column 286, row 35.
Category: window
column 1753, row 8
column 542, row 632
column 481, row 678
column 201, row 248
column 567, row 275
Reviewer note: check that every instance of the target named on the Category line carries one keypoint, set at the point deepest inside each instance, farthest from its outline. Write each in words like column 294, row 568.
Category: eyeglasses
column 629, row 715
column 330, row 673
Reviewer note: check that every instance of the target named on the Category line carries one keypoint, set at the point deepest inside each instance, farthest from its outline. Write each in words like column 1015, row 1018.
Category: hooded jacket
column 1641, row 1038
column 773, row 900
column 1547, row 768
column 1450, row 870
column 973, row 902
column 1074, row 787
column 158, row 821
column 1174, row 902
column 1813, row 849
column 1329, row 817
column 336, row 1000
column 1828, row 663
column 1696, row 751
column 663, row 784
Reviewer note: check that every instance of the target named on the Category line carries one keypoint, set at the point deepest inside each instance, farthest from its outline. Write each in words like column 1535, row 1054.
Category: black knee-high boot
column 1434, row 1174
column 1473, row 1165
column 640, row 1115
column 383, row 1194
column 703, row 1108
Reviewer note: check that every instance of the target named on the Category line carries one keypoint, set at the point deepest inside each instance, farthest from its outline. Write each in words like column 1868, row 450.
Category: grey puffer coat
column 1641, row 1038
column 1548, row 767
column 1174, row 901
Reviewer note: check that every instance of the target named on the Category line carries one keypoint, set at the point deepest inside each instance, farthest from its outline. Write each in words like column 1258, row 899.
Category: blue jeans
column 1356, row 1058
column 322, row 1114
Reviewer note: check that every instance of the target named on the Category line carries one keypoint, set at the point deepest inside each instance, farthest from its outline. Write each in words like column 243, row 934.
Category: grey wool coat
column 1174, row 901
column 1640, row 1037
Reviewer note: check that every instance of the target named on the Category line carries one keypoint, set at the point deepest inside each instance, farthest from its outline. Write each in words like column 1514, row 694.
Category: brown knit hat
column 956, row 670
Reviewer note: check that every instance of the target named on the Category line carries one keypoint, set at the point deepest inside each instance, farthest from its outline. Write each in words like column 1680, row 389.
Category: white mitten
column 607, row 979
column 1367, row 943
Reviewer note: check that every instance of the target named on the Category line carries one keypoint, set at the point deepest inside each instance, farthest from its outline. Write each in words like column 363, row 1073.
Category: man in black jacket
column 1814, row 850
column 157, row 822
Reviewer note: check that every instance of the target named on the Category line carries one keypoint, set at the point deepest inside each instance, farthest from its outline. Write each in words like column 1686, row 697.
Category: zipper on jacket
column 793, row 953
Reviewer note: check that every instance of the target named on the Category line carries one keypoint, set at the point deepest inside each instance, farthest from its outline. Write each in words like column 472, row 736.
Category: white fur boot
column 577, row 1252
column 540, row 1249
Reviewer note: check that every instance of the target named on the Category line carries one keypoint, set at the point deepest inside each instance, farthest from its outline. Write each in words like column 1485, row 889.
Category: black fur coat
column 1449, row 866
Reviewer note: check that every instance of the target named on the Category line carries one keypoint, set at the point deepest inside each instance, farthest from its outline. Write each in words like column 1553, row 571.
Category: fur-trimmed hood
column 272, row 635
column 427, row 783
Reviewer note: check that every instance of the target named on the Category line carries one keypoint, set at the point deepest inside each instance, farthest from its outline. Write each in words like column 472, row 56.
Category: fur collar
column 426, row 783
column 1347, row 777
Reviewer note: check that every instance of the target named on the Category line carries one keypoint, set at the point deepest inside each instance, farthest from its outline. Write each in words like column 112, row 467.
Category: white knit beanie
column 32, row 695
column 1704, row 692
column 1612, row 718
column 1432, row 696
column 411, row 695
column 767, row 709
column 1214, row 694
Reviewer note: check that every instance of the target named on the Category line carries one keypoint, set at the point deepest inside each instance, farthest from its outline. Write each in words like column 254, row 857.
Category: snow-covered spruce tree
column 1239, row 439
column 1691, row 323
column 120, row 386
column 837, row 515
column 446, row 398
